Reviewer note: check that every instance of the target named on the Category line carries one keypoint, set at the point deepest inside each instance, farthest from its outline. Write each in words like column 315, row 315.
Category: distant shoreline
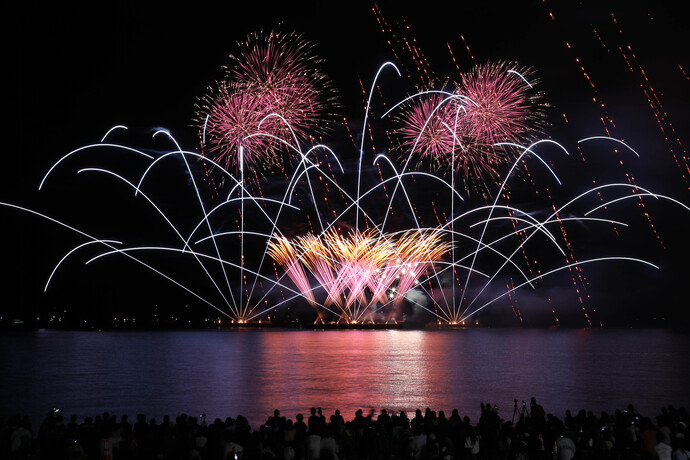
column 26, row 327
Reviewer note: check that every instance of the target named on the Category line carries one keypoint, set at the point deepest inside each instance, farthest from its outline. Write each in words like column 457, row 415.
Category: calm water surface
column 251, row 372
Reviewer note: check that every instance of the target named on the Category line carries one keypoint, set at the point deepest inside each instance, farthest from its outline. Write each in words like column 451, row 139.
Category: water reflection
column 253, row 372
column 347, row 371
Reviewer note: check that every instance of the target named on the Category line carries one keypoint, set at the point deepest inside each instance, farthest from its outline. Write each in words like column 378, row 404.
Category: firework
column 467, row 130
column 284, row 254
column 427, row 128
column 504, row 107
column 363, row 273
column 234, row 120
column 409, row 247
column 359, row 271
column 272, row 98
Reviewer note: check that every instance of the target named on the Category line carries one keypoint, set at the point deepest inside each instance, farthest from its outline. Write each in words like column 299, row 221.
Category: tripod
column 519, row 412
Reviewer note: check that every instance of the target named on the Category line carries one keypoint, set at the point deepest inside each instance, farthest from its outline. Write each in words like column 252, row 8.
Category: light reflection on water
column 252, row 372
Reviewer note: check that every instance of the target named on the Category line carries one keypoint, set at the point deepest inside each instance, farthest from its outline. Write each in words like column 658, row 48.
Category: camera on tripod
column 520, row 413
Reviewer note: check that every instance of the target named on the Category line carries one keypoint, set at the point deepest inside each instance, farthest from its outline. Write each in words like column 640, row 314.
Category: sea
column 227, row 372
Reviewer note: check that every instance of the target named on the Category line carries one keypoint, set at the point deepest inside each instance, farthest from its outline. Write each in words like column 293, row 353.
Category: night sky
column 606, row 68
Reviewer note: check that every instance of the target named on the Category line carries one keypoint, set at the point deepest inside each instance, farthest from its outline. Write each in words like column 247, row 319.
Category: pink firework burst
column 427, row 128
column 437, row 131
column 234, row 120
column 503, row 105
column 494, row 103
column 272, row 76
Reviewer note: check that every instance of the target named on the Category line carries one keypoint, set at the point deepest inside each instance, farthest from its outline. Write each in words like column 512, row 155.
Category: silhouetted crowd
column 530, row 434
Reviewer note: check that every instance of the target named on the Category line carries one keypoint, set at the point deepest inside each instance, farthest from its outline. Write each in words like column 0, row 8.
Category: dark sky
column 616, row 66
